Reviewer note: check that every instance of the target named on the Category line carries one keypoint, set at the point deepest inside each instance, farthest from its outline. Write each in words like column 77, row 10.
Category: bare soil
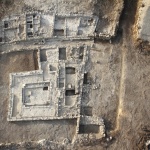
column 30, row 130
column 131, row 130
column 121, row 74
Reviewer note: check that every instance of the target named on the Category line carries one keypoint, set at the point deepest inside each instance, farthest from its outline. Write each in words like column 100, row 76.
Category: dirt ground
column 107, row 10
column 30, row 130
column 134, row 93
column 132, row 130
column 127, row 116
column 121, row 74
